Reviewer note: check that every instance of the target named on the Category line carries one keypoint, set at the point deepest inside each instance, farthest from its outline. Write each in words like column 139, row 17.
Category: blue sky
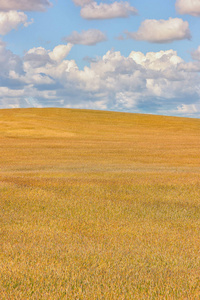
column 135, row 56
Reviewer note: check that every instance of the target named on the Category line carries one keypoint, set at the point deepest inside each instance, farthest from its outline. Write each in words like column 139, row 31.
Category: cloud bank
column 158, row 82
column 162, row 31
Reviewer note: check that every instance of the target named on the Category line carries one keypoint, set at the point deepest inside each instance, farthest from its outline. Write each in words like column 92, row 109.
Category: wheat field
column 99, row 205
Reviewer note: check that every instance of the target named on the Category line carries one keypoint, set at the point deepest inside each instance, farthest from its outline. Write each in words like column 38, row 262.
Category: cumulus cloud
column 25, row 5
column 42, row 58
column 191, row 7
column 88, row 37
column 93, row 11
column 162, row 31
column 60, row 52
column 36, row 58
column 155, row 82
column 12, row 20
column 158, row 61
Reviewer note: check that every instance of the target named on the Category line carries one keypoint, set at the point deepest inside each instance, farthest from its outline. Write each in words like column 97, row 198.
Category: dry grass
column 99, row 205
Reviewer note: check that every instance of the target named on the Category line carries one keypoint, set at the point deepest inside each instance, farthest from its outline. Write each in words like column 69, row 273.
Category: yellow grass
column 99, row 205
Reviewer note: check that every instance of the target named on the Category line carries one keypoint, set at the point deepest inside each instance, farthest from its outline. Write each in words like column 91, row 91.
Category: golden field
column 99, row 205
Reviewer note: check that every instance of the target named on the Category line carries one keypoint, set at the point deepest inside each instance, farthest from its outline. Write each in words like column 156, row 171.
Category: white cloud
column 25, row 5
column 40, row 57
column 93, row 11
column 162, row 31
column 88, row 37
column 12, row 20
column 158, row 61
column 36, row 58
column 60, row 52
column 157, row 82
column 191, row 7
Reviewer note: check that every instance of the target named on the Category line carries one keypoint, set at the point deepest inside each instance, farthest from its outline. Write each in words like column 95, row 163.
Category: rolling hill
column 99, row 205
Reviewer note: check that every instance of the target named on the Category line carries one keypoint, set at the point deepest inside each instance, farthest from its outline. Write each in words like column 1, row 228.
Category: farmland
column 99, row 205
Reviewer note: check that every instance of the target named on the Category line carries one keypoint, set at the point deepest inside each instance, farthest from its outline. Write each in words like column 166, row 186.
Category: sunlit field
column 99, row 205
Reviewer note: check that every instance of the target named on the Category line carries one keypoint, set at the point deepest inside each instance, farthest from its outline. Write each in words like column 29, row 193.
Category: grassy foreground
column 99, row 205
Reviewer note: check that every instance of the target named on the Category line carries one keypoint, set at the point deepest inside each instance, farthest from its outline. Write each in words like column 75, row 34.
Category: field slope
column 99, row 205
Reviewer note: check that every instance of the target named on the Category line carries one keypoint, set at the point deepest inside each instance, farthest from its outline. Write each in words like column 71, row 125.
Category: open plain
column 99, row 205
